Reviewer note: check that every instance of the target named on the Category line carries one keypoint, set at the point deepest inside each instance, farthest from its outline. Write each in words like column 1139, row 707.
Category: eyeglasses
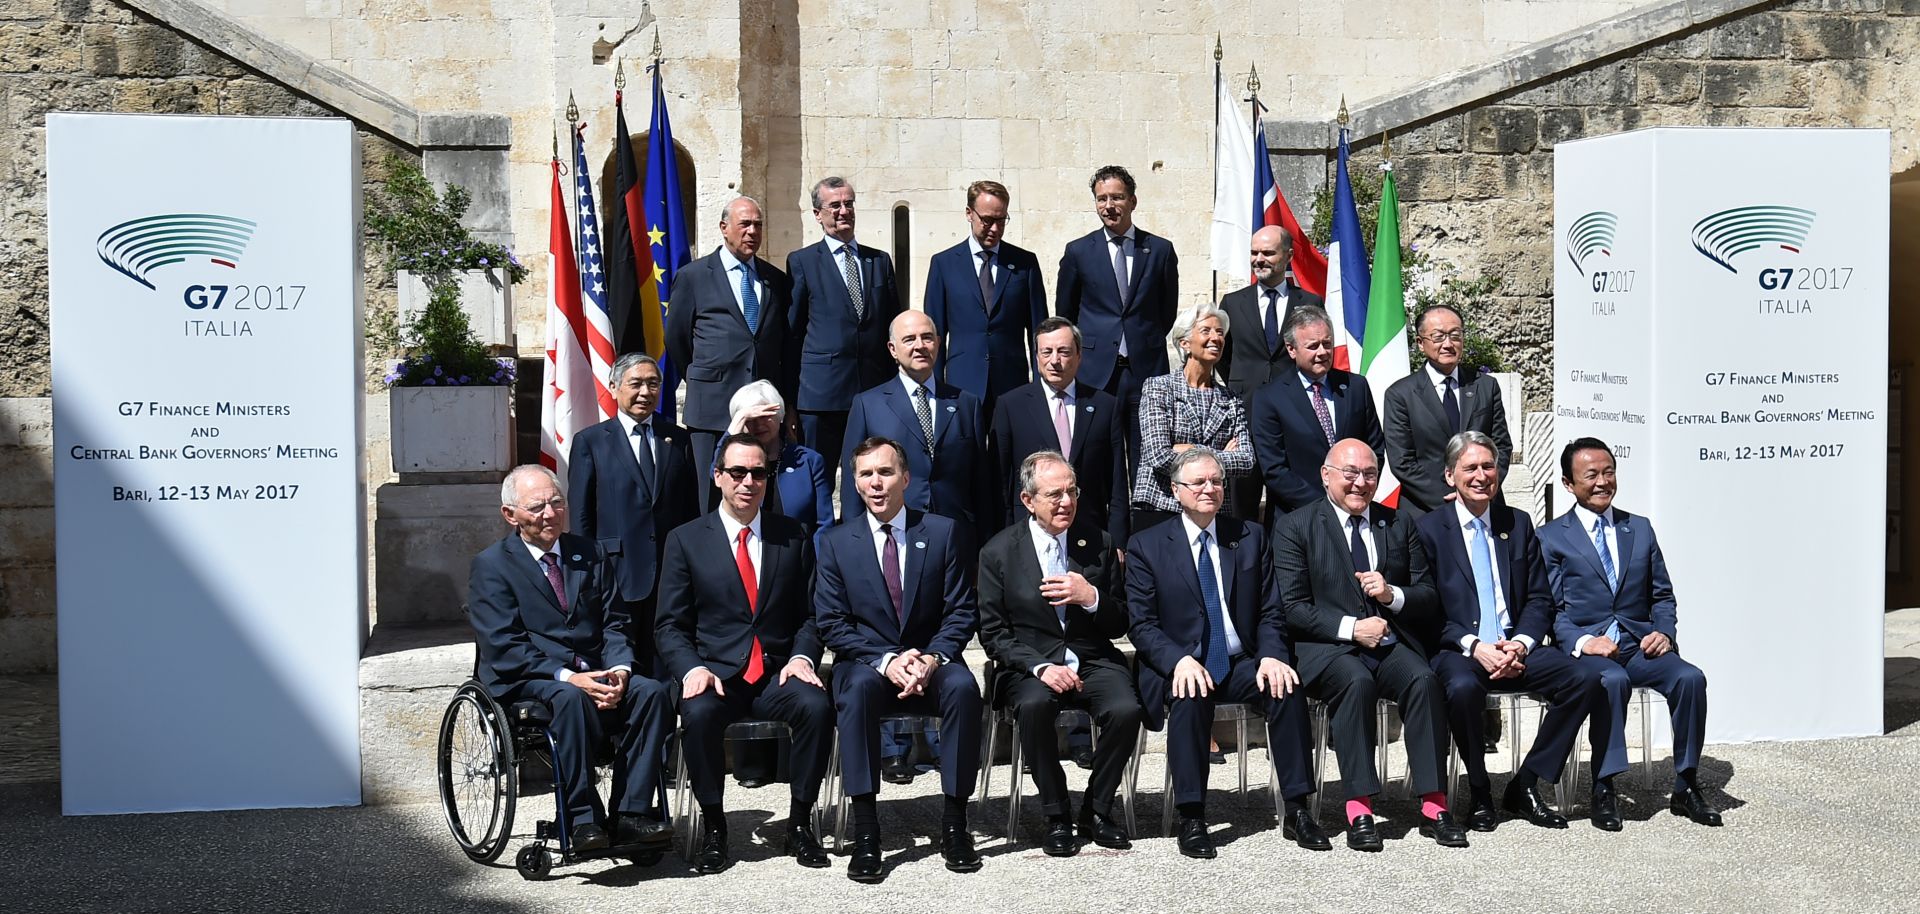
column 555, row 503
column 1355, row 474
column 991, row 221
column 1201, row 485
column 1457, row 336
column 760, row 474
column 1072, row 492
column 644, row 384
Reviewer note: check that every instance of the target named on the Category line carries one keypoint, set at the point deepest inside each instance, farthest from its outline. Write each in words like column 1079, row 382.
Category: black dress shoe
column 1059, row 841
column 1194, row 840
column 630, row 829
column 588, row 837
column 712, row 856
column 1693, row 804
column 1103, row 831
column 1490, row 733
column 956, row 846
column 1083, row 756
column 865, row 866
column 1299, row 827
column 1481, row 815
column 1605, row 815
column 1363, row 835
column 1527, row 803
column 1444, row 830
column 804, row 847
column 1216, row 757
column 897, row 771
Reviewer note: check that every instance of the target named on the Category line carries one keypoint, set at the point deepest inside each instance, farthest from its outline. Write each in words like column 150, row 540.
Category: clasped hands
column 910, row 670
column 605, row 687
column 1501, row 659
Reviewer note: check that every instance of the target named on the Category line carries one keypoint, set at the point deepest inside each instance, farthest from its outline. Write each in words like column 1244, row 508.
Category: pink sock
column 1359, row 806
column 1433, row 804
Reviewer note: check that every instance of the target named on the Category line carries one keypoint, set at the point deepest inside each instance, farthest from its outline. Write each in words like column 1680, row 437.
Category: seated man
column 740, row 638
column 892, row 598
column 1617, row 614
column 1048, row 616
column 1359, row 600
column 553, row 629
column 1208, row 626
column 1495, row 609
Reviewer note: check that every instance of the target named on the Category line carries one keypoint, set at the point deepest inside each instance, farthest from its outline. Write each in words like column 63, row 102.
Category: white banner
column 1720, row 316
column 208, row 495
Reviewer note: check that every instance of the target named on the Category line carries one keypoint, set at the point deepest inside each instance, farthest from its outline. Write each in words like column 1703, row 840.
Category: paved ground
column 1816, row 826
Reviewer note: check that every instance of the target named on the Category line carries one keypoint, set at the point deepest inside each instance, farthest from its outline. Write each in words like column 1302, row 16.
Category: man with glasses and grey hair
column 1424, row 410
column 844, row 298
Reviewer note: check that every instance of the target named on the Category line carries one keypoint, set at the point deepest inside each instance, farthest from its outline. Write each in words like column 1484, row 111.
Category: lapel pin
column 787, row 470
column 1089, row 408
column 950, row 409
column 1378, row 522
column 920, row 544
column 1079, row 542
column 576, row 558
column 1503, row 536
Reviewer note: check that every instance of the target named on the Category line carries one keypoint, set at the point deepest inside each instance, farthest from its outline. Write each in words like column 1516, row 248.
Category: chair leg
column 1273, row 784
column 1646, row 740
column 1014, row 784
column 1320, row 726
column 1240, row 743
column 681, row 819
column 1453, row 766
column 1133, row 780
column 1166, row 802
column 1384, row 760
column 986, row 759
column 1513, row 730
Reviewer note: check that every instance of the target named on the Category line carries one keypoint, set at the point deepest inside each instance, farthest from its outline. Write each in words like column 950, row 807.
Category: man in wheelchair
column 552, row 629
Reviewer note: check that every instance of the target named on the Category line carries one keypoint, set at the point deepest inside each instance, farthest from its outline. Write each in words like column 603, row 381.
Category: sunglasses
column 761, row 474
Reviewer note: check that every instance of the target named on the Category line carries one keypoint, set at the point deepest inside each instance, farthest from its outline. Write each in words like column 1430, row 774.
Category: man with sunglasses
column 1424, row 410
column 740, row 638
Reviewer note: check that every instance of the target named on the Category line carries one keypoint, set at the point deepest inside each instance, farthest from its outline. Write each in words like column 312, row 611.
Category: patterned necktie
column 552, row 564
column 1452, row 404
column 854, row 291
column 890, row 571
column 1493, row 622
column 1320, row 412
column 925, row 409
column 749, row 300
column 744, row 561
column 1273, row 321
column 643, row 453
column 1606, row 565
column 1061, row 427
column 1120, row 267
column 986, row 280
column 1216, row 660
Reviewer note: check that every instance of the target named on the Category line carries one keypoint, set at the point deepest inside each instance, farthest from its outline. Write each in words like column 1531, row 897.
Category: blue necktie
column 1606, row 565
column 1057, row 568
column 1492, row 627
column 749, row 302
column 1216, row 659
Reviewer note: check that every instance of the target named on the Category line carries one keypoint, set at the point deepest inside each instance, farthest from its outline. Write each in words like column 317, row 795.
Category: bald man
column 1255, row 314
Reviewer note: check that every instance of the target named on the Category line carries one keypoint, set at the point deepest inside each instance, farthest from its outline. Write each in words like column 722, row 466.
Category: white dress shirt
column 840, row 250
column 732, row 528
column 933, row 403
column 539, row 559
column 1128, row 251
column 879, row 559
column 1055, row 398
column 1439, row 382
column 974, row 249
column 1278, row 307
column 627, row 424
column 1040, row 537
column 1213, row 556
column 1373, row 561
column 1586, row 519
column 1465, row 519
column 1326, row 396
column 733, row 266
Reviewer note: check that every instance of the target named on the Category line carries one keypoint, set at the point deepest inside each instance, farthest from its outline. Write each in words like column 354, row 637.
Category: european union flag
column 666, row 231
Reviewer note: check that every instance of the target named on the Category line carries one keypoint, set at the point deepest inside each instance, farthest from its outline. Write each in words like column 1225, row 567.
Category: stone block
column 1503, row 129
column 48, row 46
column 1837, row 6
column 26, row 422
column 1754, row 85
column 425, row 536
column 1757, row 36
column 980, row 143
column 1691, row 45
column 1558, row 125
column 1668, row 82
column 1834, row 37
column 1486, row 177
column 26, row 536
column 26, row 477
column 29, row 645
column 1903, row 7
column 1425, row 177
column 1604, row 84
column 931, row 49
column 976, row 49
column 27, row 591
column 1448, row 134
column 887, row 48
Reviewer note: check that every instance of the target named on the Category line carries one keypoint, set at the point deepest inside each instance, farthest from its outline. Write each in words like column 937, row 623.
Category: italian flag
column 1383, row 358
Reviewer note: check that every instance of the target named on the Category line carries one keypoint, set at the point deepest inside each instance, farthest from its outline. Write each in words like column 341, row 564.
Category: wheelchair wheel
column 478, row 780
column 533, row 862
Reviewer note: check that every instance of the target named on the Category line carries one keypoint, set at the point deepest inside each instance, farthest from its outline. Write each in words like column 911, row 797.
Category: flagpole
column 1216, row 143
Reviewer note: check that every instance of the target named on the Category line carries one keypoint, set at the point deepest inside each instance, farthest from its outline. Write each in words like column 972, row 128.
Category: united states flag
column 593, row 279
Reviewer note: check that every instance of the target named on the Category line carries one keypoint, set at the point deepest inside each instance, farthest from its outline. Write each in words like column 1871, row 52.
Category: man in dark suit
column 843, row 300
column 727, row 326
column 985, row 297
column 740, row 638
column 1298, row 415
column 1424, row 410
column 1494, row 611
column 940, row 427
column 631, row 479
column 1059, row 413
column 1120, row 284
column 1208, row 626
column 1257, row 315
column 893, row 599
column 553, row 629
column 1049, row 611
column 1360, row 603
column 1617, row 614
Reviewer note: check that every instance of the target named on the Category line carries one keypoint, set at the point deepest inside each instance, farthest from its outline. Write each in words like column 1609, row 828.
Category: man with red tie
column 740, row 638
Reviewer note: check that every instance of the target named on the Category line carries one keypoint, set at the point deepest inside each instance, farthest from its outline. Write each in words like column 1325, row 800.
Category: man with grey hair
column 631, row 480
column 1298, row 416
column 843, row 300
column 726, row 326
column 552, row 628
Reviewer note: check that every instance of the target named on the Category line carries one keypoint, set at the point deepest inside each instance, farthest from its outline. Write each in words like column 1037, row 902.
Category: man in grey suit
column 726, row 328
column 1256, row 352
column 1424, row 410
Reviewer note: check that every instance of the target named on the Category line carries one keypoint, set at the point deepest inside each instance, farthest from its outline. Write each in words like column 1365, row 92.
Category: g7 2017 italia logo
column 138, row 247
column 1731, row 232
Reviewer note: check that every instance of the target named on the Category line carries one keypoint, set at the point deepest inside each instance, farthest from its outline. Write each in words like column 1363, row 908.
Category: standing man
column 631, row 478
column 740, row 638
column 892, row 598
column 1256, row 353
column 985, row 297
column 1049, row 611
column 727, row 327
column 1060, row 413
column 553, row 629
column 940, row 428
column 843, row 300
column 1617, row 613
column 1120, row 285
column 1424, row 410
column 1309, row 405
column 1359, row 601
column 1495, row 609
column 1209, row 627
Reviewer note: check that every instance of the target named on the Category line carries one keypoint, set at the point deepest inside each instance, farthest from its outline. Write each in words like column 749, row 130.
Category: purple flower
column 427, row 383
column 465, row 380
column 436, row 371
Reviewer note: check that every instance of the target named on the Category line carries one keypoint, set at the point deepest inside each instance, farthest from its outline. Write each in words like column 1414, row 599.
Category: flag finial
column 1216, row 47
column 1253, row 80
column 1344, row 119
column 1386, row 147
column 556, row 142
column 656, row 44
column 573, row 110
column 619, row 74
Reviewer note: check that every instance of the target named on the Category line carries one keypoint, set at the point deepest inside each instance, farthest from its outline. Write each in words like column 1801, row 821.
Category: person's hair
column 510, row 486
column 991, row 188
column 759, row 393
column 1191, row 455
column 1459, row 443
column 1112, row 171
column 1420, row 323
column 1057, row 322
column 766, row 456
column 877, row 442
column 1302, row 316
column 726, row 212
column 1576, row 446
column 1030, row 469
column 625, row 363
column 1184, row 323
column 830, row 182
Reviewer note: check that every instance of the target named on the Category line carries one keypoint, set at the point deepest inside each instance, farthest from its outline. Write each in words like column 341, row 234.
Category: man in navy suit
column 1298, row 415
column 553, row 629
column 893, row 600
column 985, row 297
column 1495, row 609
column 1120, row 284
column 726, row 326
column 941, row 429
column 1059, row 413
column 740, row 638
column 1617, row 613
column 1258, row 313
column 1208, row 626
column 1424, row 410
column 631, row 479
column 843, row 301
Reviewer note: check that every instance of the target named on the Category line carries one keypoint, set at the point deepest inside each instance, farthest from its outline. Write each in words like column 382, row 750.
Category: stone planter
column 485, row 295
column 1513, row 397
column 461, row 430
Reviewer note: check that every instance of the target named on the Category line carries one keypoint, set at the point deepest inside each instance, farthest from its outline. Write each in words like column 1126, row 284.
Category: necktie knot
column 744, row 531
column 550, row 560
column 1600, row 524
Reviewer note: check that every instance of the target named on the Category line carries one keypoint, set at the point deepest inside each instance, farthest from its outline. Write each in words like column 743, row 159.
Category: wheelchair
column 485, row 754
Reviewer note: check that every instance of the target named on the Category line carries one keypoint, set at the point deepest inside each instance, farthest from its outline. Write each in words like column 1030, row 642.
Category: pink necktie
column 1060, row 424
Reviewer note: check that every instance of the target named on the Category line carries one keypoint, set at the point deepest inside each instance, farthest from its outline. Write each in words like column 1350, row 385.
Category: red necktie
column 755, row 664
column 552, row 564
